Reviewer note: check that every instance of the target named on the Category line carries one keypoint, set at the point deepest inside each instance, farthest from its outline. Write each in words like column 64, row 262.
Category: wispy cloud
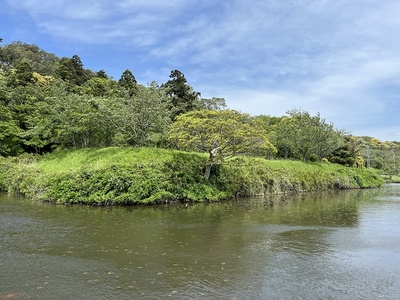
column 340, row 58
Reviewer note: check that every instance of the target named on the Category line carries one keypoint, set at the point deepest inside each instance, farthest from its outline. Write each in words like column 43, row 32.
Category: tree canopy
column 182, row 96
column 138, row 118
column 306, row 137
column 128, row 83
column 222, row 134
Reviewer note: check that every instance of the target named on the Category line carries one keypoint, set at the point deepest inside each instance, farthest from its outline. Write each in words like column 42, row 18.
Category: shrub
column 146, row 175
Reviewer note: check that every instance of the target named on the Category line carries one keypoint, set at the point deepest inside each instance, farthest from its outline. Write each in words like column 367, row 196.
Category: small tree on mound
column 222, row 134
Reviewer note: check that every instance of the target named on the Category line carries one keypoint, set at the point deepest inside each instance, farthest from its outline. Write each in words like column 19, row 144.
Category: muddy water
column 341, row 245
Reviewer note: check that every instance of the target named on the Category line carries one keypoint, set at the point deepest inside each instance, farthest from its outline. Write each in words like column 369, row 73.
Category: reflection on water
column 336, row 245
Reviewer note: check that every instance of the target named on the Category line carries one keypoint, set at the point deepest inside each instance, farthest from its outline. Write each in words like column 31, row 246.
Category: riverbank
column 148, row 175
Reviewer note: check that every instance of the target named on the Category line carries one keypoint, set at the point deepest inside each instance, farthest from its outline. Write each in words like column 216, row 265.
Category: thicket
column 148, row 175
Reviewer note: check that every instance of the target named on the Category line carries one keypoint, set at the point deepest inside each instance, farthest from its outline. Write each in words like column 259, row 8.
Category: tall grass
column 72, row 160
column 149, row 175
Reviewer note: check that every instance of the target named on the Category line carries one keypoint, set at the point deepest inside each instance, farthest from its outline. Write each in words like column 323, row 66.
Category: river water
column 337, row 245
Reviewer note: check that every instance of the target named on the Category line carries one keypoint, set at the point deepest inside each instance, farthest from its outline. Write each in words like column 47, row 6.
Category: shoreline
column 128, row 176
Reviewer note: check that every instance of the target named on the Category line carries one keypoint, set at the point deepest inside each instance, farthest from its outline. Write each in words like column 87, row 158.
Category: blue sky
column 340, row 58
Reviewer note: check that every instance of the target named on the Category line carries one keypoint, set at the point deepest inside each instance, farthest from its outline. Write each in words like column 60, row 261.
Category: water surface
column 338, row 245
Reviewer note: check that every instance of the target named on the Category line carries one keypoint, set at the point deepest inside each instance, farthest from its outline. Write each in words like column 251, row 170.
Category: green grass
column 148, row 175
column 258, row 176
column 391, row 178
column 73, row 160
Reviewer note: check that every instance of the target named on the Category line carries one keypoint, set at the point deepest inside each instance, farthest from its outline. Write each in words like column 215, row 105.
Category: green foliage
column 304, row 137
column 114, row 184
column 48, row 103
column 22, row 75
column 349, row 154
column 222, row 134
column 381, row 155
column 66, row 120
column 138, row 118
column 181, row 95
column 102, row 74
column 71, row 70
column 9, row 132
column 147, row 175
column 100, row 87
column 128, row 83
column 39, row 60
column 21, row 175
column 214, row 103
column 394, row 179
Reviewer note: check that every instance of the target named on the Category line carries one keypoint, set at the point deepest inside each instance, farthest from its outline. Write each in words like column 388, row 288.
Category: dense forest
column 49, row 103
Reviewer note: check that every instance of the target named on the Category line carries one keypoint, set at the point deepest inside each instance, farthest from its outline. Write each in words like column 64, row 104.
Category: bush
column 146, row 175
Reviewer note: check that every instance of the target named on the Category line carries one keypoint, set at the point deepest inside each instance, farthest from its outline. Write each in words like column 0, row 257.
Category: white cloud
column 150, row 4
column 64, row 10
column 335, row 57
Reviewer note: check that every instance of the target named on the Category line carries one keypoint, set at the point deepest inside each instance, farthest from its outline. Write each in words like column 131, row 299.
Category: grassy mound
column 149, row 175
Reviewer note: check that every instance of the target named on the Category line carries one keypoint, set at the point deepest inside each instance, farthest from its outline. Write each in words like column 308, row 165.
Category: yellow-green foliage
column 149, row 175
column 224, row 132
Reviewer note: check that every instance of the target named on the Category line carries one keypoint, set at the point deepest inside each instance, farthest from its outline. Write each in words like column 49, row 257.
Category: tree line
column 49, row 103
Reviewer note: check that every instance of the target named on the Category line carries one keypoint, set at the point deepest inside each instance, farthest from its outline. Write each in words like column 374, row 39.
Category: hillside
column 122, row 175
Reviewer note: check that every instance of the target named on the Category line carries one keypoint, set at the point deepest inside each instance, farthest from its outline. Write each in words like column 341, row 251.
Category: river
column 333, row 245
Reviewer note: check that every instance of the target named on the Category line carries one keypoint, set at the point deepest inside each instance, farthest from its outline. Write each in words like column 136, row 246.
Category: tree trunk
column 207, row 172
column 213, row 154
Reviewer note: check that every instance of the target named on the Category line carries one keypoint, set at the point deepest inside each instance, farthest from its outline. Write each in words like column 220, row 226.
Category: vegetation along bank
column 125, row 175
column 69, row 134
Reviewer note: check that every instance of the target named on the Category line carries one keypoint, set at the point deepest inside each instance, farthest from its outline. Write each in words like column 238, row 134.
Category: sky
column 339, row 58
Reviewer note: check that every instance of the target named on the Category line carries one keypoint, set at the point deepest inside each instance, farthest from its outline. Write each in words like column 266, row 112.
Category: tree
column 9, row 131
column 41, row 61
column 349, row 154
column 285, row 135
column 40, row 128
column 306, row 137
column 381, row 155
column 223, row 134
column 102, row 74
column 65, row 69
column 78, row 71
column 71, row 70
column 23, row 101
column 77, row 122
column 100, row 87
column 211, row 104
column 128, row 83
column 182, row 96
column 138, row 118
column 22, row 75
